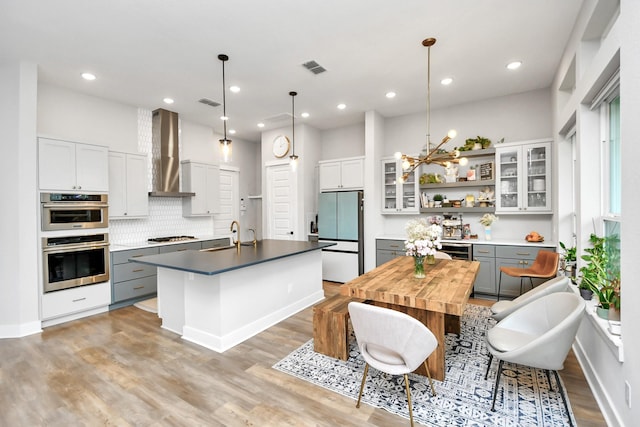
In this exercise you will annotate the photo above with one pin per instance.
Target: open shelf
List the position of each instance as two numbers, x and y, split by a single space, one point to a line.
454 210
477 183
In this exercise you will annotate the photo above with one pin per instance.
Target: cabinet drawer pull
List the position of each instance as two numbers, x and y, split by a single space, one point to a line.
137 256
523 253
180 250
483 252
138 287
79 299
137 270
394 246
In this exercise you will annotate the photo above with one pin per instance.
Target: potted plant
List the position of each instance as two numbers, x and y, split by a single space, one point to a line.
598 275
438 200
569 257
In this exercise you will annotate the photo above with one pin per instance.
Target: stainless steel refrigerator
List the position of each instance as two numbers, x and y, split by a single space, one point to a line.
340 220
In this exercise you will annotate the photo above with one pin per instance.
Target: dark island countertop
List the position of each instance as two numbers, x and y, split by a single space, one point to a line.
220 260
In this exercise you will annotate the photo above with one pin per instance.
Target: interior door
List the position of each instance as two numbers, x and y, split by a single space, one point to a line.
281 203
229 203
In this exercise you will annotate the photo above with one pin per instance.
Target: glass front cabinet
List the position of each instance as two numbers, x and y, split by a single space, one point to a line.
524 178
398 197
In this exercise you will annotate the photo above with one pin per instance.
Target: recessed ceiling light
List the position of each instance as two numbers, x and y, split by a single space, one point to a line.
446 81
88 76
260 125
305 115
514 65
232 131
341 106
390 95
168 101
234 89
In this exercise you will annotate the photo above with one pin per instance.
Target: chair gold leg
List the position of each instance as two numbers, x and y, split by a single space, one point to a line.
426 366
364 377
406 382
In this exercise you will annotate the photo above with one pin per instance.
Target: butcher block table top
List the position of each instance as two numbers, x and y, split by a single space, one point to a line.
445 289
437 300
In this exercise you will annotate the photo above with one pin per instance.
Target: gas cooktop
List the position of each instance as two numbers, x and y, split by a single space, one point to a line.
170 239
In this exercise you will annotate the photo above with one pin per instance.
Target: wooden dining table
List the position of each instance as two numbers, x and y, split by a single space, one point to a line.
438 300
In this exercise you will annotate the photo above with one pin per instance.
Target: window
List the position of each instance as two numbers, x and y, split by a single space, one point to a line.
612 174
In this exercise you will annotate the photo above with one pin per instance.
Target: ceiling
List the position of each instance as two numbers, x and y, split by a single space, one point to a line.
145 50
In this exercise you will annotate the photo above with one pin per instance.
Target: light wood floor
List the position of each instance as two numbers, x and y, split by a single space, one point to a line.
120 368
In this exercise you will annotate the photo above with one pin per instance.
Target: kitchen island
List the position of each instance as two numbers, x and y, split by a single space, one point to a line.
219 298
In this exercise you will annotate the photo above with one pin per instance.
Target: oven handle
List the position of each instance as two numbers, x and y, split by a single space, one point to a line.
73 248
457 245
74 205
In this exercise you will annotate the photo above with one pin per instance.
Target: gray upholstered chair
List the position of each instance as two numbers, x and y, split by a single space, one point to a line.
442 255
391 342
502 309
538 335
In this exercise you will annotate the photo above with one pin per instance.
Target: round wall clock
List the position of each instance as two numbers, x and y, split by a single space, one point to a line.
280 146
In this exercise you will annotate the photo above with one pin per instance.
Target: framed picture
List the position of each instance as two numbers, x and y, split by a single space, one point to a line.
486 171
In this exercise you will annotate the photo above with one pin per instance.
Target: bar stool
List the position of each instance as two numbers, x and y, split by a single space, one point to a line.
545 266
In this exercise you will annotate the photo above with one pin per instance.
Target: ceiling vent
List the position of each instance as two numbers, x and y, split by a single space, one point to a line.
209 102
279 118
314 67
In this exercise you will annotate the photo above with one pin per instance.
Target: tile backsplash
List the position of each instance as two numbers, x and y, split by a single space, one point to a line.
165 219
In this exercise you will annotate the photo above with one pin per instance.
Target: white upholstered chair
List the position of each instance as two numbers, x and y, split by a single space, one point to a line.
502 309
538 335
391 342
442 255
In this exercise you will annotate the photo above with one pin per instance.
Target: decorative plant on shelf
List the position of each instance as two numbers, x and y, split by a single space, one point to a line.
569 256
601 274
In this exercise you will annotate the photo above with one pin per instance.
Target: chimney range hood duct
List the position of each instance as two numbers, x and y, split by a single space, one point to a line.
165 155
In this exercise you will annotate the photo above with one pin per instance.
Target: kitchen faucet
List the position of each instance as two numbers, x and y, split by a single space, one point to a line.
254 241
237 242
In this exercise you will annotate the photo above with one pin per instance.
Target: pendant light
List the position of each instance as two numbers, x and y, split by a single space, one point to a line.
294 159
225 143
435 154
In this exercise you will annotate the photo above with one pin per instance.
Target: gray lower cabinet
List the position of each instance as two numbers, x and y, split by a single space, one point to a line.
130 281
486 280
216 243
516 256
387 249
180 247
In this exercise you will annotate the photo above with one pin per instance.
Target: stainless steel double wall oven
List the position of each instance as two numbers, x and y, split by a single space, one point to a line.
74 258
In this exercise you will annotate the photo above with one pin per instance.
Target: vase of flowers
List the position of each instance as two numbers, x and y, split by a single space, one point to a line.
486 220
423 239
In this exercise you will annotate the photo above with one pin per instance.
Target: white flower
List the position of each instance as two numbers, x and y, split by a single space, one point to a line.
423 239
487 219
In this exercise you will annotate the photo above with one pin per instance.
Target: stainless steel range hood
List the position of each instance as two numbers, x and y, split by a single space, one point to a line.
165 153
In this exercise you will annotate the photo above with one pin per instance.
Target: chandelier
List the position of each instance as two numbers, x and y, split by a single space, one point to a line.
225 143
433 154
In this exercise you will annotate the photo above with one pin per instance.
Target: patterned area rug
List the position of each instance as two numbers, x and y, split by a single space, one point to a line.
463 399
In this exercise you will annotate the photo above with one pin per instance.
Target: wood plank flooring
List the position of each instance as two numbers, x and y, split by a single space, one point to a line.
120 368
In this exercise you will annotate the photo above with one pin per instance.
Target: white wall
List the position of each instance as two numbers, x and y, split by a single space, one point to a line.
76 117
19 247
595 59
346 141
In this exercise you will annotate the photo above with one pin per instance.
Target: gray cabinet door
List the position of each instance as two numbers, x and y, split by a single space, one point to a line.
486 280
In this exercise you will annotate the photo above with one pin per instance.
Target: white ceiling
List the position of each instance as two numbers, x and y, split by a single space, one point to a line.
145 50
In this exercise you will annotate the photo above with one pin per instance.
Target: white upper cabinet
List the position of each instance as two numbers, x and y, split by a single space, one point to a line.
524 178
128 192
70 166
342 174
398 197
204 180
